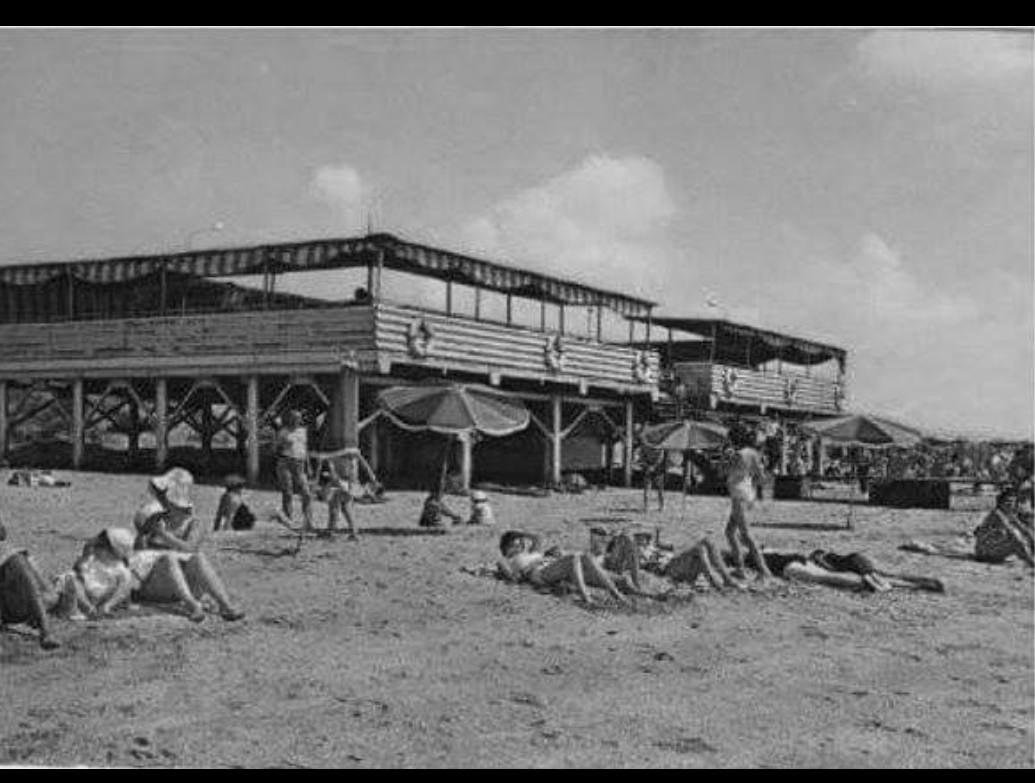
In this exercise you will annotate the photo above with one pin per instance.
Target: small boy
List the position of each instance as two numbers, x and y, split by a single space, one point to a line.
481 511
233 512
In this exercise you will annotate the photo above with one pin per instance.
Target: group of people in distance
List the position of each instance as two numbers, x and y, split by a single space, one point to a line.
159 560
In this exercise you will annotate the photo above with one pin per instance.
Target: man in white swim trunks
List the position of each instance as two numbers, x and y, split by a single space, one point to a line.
744 475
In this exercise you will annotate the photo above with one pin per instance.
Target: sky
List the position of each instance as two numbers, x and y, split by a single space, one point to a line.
870 188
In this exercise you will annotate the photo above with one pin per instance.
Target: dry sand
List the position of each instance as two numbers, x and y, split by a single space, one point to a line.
384 652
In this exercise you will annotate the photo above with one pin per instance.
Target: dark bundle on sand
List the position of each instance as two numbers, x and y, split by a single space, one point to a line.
504 489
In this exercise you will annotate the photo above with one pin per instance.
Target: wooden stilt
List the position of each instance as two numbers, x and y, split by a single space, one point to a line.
252 428
77 423
161 424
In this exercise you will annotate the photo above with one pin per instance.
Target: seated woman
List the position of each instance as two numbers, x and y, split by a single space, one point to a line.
523 561
168 561
1004 532
25 596
688 566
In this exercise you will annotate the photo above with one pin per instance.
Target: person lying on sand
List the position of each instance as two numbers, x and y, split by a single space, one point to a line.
1002 533
625 554
854 571
25 596
523 561
168 560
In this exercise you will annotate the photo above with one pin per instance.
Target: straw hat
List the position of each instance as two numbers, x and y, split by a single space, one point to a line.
119 540
174 486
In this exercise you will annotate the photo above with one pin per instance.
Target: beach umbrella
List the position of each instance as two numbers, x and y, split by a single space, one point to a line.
683 435
863 430
454 410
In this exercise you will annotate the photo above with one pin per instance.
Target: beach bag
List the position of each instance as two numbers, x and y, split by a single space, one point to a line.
244 518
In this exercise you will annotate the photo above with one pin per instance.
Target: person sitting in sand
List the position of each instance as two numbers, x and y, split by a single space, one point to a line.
617 554
523 561
1002 533
481 511
25 595
168 561
233 512
744 476
436 511
101 578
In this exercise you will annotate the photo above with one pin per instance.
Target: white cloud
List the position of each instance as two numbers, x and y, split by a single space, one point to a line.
946 59
602 222
343 189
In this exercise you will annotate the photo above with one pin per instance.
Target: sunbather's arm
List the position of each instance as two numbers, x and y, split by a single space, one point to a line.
505 571
120 595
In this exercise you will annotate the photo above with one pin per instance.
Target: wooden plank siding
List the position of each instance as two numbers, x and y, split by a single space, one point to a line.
316 340
320 338
512 351
705 380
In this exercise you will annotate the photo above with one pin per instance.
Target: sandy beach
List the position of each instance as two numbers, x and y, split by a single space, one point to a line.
393 652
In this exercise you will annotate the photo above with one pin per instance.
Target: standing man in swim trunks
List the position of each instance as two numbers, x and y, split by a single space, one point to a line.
744 475
292 455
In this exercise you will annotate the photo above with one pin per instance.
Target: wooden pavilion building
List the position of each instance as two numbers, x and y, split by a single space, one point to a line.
147 344
732 368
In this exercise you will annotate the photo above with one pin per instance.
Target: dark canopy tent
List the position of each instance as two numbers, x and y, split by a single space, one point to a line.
96 288
739 344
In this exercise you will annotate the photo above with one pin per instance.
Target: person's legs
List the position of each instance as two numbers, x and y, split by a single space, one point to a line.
22 600
732 529
286 484
301 483
597 576
563 569
167 584
755 552
623 556
202 578
716 565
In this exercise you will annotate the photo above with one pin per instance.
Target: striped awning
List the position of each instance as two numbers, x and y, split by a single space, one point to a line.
385 249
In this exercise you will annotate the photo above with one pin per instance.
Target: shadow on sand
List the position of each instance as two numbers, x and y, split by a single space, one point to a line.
798 526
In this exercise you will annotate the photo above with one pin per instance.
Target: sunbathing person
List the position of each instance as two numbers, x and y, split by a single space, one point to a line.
688 566
1002 533
524 561
25 596
168 561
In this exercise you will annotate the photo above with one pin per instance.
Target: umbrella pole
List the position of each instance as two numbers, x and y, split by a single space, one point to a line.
445 465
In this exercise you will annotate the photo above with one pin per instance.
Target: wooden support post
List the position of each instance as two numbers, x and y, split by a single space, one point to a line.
510 304
556 438
161 423
600 310
627 455
252 428
133 436
207 432
348 400
477 304
3 419
77 423
465 460
374 430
